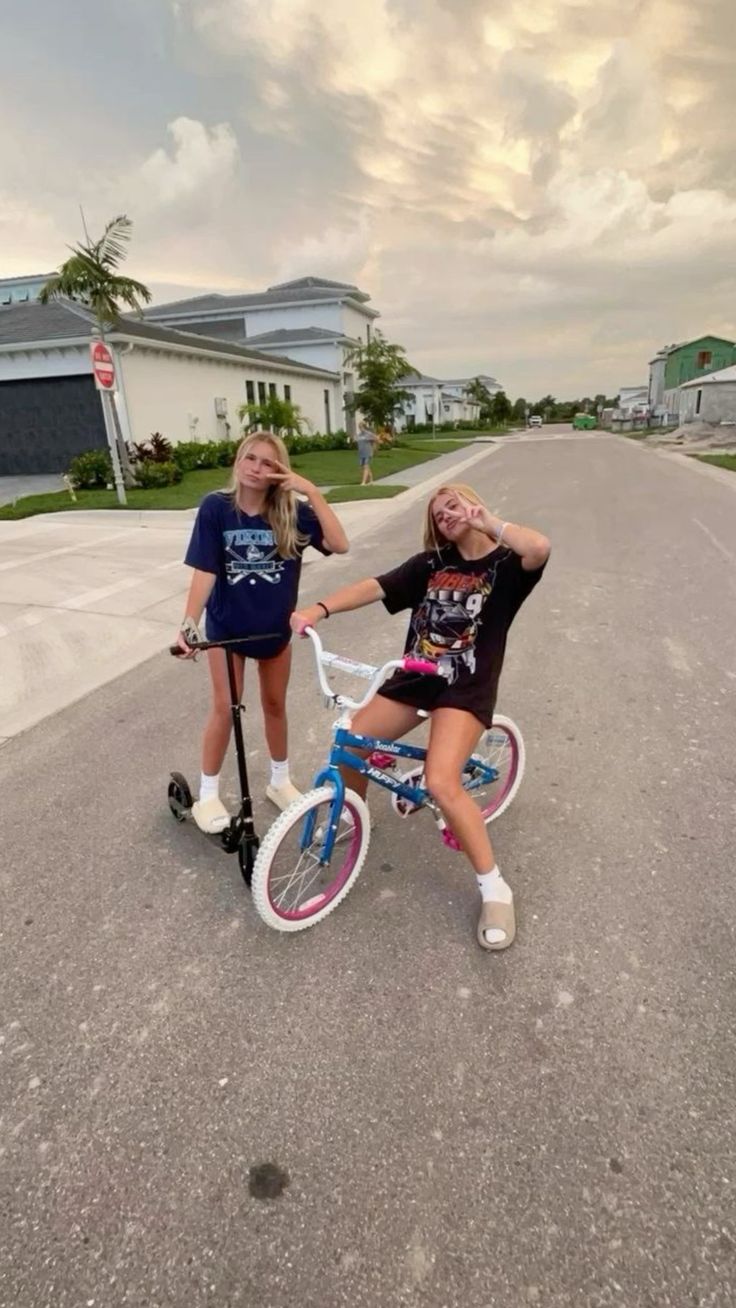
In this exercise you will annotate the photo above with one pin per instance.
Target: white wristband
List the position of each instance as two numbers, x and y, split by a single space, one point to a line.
499 537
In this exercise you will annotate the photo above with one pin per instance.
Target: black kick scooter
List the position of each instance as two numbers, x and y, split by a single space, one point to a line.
239 836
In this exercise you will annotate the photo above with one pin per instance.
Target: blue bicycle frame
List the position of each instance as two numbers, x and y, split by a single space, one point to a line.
478 774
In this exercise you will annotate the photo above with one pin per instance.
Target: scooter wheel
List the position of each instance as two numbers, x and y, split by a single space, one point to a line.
180 796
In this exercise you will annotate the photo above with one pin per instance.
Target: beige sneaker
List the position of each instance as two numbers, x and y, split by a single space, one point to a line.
211 816
283 796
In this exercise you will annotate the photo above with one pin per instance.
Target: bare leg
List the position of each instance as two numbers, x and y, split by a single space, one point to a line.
383 717
454 735
219 722
274 678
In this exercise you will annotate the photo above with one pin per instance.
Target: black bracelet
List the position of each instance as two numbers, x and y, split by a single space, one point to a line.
324 608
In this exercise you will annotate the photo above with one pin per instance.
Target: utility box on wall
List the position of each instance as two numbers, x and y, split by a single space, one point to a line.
221 408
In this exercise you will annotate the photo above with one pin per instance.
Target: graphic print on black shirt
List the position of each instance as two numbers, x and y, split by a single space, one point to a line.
446 624
461 611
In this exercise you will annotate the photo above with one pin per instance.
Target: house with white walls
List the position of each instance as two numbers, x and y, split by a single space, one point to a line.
21 290
433 400
188 387
311 320
710 399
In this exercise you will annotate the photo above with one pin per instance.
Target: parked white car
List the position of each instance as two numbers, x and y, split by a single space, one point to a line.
535 420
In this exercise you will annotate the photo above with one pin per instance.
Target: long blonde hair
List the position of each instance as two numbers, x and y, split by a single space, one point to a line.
433 537
281 505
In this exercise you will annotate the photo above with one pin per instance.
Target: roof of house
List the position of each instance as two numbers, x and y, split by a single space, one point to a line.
304 291
34 324
419 379
711 378
296 336
26 277
30 321
301 282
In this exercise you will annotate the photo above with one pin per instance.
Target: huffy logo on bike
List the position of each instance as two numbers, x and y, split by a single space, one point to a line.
251 554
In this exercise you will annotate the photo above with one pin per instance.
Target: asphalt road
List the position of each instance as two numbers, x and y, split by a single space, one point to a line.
551 1126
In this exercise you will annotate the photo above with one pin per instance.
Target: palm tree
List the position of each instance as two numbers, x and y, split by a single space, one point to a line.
90 277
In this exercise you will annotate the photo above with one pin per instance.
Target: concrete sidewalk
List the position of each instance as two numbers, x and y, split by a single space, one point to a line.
86 596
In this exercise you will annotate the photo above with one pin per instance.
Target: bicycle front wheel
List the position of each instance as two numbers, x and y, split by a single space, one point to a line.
292 886
500 748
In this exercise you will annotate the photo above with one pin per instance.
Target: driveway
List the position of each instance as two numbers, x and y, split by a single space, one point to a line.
14 488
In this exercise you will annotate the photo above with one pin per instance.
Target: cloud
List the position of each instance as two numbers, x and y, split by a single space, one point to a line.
202 159
546 192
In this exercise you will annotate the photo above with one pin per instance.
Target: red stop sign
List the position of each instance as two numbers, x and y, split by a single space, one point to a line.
102 366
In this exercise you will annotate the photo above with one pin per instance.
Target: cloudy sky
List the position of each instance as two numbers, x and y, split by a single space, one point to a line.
544 190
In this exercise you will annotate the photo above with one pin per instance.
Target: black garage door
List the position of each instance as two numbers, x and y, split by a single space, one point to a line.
46 421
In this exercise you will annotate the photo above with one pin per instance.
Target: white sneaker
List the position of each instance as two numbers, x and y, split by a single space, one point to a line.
284 795
210 815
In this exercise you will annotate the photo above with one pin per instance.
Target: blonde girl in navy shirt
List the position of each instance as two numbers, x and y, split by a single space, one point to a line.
246 550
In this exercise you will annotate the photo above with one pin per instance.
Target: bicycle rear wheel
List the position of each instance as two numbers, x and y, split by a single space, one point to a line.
292 887
501 748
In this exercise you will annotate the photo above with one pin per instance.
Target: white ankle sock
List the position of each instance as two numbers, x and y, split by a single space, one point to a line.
209 787
279 772
493 888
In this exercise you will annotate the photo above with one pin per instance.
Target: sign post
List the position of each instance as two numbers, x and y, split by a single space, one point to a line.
103 367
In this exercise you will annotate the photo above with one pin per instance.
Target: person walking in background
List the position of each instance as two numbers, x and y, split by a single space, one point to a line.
366 442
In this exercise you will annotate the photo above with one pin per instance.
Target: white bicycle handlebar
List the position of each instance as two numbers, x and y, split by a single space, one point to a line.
376 676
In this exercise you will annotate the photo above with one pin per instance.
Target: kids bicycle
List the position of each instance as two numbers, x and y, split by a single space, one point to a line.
311 857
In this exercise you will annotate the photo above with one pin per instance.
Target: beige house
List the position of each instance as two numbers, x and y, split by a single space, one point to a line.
187 387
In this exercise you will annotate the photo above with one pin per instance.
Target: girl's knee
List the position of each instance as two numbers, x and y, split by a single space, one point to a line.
273 707
442 785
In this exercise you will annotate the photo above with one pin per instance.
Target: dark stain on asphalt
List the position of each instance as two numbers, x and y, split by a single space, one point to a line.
616 1165
267 1181
387 867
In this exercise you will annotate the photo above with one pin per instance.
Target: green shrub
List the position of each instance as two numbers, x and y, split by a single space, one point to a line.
155 450
150 474
186 455
335 440
91 470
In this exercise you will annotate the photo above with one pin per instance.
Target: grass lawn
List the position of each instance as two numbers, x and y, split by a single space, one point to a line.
338 468
719 460
345 494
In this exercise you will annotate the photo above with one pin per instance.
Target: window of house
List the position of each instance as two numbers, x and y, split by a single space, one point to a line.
250 392
272 388
328 419
261 392
287 392
368 333
704 358
698 398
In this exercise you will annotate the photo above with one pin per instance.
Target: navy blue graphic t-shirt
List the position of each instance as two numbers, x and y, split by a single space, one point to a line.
256 589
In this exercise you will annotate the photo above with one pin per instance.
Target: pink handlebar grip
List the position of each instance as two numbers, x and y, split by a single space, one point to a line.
420 665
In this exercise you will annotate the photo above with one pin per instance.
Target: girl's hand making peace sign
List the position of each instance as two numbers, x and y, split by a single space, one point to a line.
290 480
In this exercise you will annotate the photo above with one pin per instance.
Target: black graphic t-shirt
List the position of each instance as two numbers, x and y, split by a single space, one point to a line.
256 589
461 613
